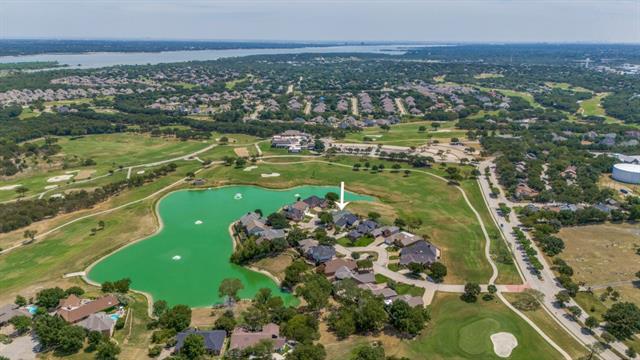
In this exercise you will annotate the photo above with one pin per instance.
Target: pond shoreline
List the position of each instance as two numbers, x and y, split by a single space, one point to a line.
162 226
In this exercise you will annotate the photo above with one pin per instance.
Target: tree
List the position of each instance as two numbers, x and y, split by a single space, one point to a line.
277 220
71 339
416 268
93 339
20 300
622 320
437 271
631 352
229 288
101 224
293 273
255 317
177 318
562 298
122 285
30 235
50 298
75 290
370 314
107 350
594 349
21 323
332 196
307 352
240 162
159 307
575 312
21 190
342 323
225 322
375 216
325 218
193 347
368 352
591 322
302 328
471 292
48 329
315 291
406 319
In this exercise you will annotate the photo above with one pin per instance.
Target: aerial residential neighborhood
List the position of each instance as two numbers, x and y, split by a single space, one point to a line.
319 180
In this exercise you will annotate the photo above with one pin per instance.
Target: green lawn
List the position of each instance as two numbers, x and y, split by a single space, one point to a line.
363 241
74 248
552 329
406 134
108 151
458 330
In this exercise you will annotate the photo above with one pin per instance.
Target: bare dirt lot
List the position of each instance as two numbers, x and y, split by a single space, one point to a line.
601 254
241 151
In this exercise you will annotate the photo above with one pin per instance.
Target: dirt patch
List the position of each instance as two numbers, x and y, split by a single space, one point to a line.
274 265
9 187
241 151
600 254
84 174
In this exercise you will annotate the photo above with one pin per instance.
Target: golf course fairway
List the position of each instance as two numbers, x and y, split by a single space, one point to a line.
185 262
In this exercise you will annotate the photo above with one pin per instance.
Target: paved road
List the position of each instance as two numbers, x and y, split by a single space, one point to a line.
546 283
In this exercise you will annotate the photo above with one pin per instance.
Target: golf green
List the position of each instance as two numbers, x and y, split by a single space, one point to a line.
186 261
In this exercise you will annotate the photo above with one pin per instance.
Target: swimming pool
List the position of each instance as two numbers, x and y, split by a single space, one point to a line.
32 309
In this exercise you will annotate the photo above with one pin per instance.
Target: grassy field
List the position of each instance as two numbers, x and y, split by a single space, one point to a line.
600 254
551 328
593 107
406 134
108 151
446 219
460 330
43 263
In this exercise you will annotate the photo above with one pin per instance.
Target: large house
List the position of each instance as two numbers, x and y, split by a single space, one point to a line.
213 340
321 253
100 322
421 252
72 309
402 239
242 339
292 140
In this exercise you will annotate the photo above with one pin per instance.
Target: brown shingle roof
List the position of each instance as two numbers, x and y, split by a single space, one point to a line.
79 313
241 339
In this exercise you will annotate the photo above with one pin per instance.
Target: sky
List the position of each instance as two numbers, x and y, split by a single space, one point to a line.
326 20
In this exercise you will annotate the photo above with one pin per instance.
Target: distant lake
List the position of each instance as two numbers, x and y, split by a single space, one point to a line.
102 59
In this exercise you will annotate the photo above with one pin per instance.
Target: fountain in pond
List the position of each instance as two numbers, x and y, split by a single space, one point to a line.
198 222
237 196
176 258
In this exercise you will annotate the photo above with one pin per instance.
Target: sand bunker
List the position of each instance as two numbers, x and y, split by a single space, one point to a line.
57 196
140 172
198 222
503 344
249 168
49 187
10 187
270 175
59 178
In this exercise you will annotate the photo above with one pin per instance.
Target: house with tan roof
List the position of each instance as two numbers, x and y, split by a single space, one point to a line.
242 339
73 312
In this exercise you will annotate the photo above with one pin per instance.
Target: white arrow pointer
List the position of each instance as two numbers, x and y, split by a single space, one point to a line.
342 204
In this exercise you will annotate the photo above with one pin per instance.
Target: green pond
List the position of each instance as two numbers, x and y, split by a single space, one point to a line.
186 261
